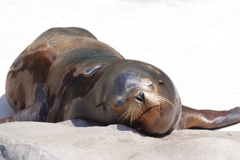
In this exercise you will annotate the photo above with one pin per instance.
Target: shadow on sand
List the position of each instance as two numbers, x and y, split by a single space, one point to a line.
5 109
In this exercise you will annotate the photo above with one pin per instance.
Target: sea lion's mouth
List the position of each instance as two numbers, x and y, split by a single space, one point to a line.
137 125
150 108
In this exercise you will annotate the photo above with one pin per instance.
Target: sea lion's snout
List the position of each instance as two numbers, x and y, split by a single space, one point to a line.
140 97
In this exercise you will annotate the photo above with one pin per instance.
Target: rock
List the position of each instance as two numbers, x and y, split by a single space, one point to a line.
17 151
79 139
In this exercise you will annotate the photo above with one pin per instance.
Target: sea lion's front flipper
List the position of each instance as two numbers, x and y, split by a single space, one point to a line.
35 112
209 119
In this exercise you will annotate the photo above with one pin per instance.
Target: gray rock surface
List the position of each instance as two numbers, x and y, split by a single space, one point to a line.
78 139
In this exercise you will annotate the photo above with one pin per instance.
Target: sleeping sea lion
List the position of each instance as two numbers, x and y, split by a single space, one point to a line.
66 73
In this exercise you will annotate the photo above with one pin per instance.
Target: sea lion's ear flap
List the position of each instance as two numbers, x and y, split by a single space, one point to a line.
160 81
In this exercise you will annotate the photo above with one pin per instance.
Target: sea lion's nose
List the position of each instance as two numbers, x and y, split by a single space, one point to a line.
140 97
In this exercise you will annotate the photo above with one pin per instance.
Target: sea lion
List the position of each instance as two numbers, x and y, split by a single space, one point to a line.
66 73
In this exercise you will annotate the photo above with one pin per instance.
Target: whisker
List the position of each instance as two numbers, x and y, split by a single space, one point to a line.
162 99
123 117
133 112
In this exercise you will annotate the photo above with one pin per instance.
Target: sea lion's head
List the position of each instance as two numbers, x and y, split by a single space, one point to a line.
144 96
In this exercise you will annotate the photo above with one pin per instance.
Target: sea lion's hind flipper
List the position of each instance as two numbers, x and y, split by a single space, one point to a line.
209 119
36 112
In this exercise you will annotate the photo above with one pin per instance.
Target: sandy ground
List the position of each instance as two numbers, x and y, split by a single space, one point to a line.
197 42
65 141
